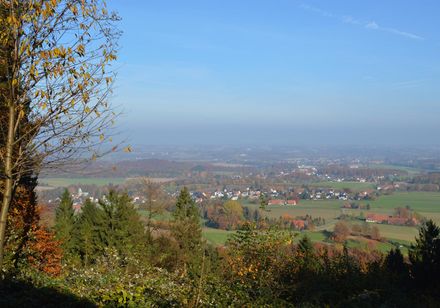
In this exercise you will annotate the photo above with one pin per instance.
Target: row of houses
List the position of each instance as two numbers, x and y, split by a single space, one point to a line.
232 194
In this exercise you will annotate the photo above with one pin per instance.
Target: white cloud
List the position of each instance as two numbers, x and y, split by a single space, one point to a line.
402 33
370 25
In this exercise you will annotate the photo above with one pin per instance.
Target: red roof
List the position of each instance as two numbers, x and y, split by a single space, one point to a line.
377 217
276 202
291 202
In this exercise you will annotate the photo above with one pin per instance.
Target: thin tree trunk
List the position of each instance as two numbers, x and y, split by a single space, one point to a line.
9 147
7 193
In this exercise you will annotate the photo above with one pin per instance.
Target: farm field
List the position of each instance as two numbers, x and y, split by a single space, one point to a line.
355 241
425 203
219 237
381 246
398 232
164 216
216 237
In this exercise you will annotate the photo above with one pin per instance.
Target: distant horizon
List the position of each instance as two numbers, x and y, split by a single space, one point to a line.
134 146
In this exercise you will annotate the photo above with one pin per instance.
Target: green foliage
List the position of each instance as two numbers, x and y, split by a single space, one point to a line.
263 202
113 223
88 230
121 225
65 223
425 257
187 232
305 245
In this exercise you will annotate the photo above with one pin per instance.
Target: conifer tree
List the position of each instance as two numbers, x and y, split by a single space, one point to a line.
123 228
65 222
394 261
88 232
187 231
305 245
263 202
425 257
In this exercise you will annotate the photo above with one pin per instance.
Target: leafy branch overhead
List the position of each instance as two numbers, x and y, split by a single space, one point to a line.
61 63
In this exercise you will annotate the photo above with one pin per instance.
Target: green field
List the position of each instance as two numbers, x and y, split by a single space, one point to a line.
425 203
355 242
381 246
428 202
164 216
327 209
216 237
315 236
219 237
402 233
64 182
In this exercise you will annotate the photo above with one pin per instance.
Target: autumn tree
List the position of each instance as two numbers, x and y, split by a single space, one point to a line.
26 241
24 212
375 233
233 212
45 252
54 93
65 222
341 231
187 231
256 260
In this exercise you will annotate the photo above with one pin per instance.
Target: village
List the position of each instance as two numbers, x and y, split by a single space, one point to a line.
271 198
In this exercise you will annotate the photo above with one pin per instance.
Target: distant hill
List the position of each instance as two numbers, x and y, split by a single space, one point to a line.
146 167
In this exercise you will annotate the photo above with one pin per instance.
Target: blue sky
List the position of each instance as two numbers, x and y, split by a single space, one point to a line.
279 72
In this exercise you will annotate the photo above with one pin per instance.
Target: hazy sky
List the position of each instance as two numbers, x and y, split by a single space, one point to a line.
279 71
